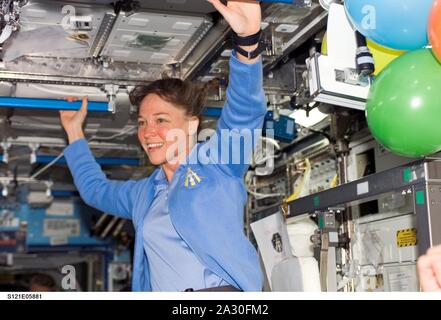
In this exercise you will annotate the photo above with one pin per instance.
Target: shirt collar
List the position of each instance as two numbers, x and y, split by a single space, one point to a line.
161 179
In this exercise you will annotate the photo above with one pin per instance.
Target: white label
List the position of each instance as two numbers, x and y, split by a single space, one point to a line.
362 188
61 228
400 280
8 219
333 237
272 238
58 241
140 22
60 208
183 26
287 28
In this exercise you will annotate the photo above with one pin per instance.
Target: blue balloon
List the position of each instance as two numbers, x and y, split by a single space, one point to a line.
397 24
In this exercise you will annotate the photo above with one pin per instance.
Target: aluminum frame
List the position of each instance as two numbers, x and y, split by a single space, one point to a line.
422 178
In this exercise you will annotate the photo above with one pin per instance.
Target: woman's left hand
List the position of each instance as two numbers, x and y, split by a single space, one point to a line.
244 16
429 270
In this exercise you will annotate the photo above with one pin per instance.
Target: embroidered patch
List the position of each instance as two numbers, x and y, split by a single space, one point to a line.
191 179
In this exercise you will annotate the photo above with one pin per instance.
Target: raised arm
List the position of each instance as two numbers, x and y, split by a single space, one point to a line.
244 17
245 108
96 190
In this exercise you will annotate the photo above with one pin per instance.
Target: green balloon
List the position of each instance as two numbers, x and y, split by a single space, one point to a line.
404 106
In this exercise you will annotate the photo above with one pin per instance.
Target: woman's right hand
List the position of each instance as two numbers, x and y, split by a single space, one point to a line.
72 121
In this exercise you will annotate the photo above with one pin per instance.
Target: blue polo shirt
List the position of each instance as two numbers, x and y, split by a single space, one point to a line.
173 265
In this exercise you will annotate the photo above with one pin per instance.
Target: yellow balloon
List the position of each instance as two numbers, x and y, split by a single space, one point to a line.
382 55
324 48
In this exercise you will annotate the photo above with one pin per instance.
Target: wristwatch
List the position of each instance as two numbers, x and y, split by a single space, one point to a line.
253 39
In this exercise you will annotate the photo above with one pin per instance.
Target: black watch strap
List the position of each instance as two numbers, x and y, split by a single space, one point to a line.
246 41
253 54
249 41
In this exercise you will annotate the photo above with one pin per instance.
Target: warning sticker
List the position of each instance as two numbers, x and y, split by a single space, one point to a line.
407 238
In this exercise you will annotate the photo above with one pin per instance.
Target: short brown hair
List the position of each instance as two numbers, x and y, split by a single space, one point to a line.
43 280
185 95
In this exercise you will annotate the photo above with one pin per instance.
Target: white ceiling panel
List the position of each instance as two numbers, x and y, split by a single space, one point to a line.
150 37
62 23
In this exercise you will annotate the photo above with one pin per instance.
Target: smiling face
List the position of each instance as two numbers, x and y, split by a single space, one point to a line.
158 123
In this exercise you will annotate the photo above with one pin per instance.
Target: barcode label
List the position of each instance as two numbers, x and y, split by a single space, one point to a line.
61 228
